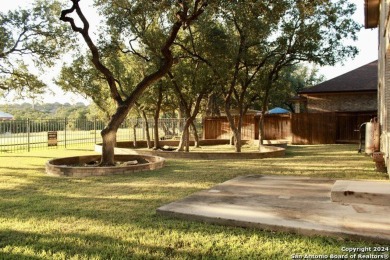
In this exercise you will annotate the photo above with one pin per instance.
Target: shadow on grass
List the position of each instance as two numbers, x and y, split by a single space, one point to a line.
113 217
163 238
84 246
19 169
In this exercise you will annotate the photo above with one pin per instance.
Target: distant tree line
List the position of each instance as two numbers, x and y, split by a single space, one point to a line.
48 111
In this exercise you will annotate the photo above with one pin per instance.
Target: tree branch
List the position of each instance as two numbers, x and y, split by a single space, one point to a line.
84 31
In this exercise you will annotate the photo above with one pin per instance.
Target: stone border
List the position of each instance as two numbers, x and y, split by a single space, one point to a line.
269 151
59 167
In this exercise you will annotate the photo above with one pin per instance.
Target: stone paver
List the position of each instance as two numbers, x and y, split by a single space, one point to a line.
284 203
364 192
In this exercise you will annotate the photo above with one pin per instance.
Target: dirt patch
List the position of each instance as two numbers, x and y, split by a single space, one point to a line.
95 163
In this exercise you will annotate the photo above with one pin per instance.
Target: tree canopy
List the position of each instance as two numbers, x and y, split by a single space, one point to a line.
244 53
30 37
153 26
258 40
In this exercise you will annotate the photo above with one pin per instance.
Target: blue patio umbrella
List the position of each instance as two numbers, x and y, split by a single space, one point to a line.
278 110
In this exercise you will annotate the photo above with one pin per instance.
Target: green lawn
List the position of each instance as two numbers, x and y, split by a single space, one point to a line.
114 217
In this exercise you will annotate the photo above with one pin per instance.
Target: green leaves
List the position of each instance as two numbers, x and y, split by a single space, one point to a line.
32 34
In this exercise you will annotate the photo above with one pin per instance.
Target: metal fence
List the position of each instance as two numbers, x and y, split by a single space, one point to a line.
24 135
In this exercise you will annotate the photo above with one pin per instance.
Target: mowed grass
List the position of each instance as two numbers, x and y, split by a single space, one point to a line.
114 217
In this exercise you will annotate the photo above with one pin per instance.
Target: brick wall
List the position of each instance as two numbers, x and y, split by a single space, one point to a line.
342 102
384 81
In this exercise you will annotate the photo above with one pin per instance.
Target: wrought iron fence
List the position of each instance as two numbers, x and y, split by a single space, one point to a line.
24 135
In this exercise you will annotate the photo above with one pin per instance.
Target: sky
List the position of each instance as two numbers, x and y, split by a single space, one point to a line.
367 45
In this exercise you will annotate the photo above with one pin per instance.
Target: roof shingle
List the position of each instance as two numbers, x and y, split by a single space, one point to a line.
362 79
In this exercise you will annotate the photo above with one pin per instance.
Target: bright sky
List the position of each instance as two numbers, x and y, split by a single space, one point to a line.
367 44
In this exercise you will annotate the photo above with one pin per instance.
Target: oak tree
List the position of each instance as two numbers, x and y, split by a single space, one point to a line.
134 25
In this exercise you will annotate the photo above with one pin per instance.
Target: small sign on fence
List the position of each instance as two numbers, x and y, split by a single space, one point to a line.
52 138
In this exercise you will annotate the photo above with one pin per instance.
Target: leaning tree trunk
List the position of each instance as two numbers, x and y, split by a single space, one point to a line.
236 129
196 136
185 138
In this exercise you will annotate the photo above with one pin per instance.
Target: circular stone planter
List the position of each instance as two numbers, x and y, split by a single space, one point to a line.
68 166
269 151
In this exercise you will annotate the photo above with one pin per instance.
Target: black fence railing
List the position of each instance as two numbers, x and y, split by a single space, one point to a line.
24 135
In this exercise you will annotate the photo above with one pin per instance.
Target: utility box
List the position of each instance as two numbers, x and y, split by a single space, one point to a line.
372 137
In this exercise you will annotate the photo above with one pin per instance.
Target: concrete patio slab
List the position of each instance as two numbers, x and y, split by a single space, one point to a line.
284 203
364 192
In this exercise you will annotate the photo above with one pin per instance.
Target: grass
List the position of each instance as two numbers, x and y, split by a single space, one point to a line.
114 217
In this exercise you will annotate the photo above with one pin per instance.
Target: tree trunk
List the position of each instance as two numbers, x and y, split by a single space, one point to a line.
109 142
261 122
184 136
156 117
156 141
187 142
124 106
261 131
109 135
135 134
237 140
236 129
146 127
196 136
231 139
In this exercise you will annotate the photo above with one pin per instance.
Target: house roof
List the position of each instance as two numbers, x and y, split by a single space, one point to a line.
4 115
362 79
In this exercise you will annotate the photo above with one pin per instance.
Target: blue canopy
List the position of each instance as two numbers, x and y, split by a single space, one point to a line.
278 110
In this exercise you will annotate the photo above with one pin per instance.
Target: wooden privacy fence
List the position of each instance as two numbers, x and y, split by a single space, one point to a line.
219 128
276 127
304 128
313 128
327 128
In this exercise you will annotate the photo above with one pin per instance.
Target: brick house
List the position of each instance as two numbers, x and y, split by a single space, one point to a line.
377 15
328 113
354 91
